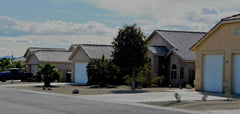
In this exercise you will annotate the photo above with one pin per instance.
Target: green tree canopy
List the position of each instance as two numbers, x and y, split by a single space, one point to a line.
130 49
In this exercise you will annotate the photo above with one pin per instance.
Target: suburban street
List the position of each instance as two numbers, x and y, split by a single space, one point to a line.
13 101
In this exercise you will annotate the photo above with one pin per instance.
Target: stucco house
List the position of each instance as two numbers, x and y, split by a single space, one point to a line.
171 57
82 56
56 56
218 57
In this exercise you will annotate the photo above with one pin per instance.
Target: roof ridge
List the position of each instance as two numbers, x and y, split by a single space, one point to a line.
181 31
226 18
54 50
95 44
43 48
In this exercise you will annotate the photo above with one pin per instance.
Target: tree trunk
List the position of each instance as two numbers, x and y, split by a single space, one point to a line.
133 79
47 82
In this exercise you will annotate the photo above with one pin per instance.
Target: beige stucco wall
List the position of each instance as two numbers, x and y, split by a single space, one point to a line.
174 59
79 56
221 41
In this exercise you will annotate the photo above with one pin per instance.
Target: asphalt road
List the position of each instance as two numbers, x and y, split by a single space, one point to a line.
14 101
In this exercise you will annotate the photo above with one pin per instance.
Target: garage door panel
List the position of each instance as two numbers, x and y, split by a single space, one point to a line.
212 72
236 73
80 73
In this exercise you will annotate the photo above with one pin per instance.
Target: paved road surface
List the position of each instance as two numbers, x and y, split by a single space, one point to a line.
13 101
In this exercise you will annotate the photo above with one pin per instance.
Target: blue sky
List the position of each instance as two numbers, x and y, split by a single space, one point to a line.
60 23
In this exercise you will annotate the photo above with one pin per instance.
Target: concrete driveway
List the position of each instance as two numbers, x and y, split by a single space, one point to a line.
136 99
148 97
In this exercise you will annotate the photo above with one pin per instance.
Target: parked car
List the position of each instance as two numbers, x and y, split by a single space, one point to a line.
15 74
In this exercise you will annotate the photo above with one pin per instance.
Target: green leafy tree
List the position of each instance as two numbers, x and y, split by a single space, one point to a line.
101 71
19 65
48 74
4 63
130 50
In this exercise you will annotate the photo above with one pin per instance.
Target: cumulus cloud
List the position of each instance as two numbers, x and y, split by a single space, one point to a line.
196 15
10 27
17 36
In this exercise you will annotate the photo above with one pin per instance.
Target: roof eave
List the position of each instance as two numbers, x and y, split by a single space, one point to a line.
193 48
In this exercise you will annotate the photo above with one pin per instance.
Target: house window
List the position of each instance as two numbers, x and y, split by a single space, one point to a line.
182 73
174 72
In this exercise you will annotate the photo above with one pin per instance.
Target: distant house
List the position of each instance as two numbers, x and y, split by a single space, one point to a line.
82 56
171 57
56 56
218 57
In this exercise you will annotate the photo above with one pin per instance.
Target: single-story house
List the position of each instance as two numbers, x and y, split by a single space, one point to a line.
82 56
171 57
218 57
55 56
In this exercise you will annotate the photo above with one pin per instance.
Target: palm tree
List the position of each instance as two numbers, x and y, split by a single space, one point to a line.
48 74
4 62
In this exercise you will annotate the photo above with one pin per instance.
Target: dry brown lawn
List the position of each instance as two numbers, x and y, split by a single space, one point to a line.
91 90
200 105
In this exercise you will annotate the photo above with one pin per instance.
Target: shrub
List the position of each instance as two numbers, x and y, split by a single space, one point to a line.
158 80
101 72
145 77
229 96
128 80
188 86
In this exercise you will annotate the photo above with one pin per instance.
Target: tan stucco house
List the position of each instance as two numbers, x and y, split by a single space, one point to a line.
56 56
82 56
171 57
218 57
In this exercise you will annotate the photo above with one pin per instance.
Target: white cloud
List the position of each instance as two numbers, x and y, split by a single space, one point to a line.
17 36
196 15
11 27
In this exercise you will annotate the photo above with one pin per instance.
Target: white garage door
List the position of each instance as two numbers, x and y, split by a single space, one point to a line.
236 73
80 73
212 72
